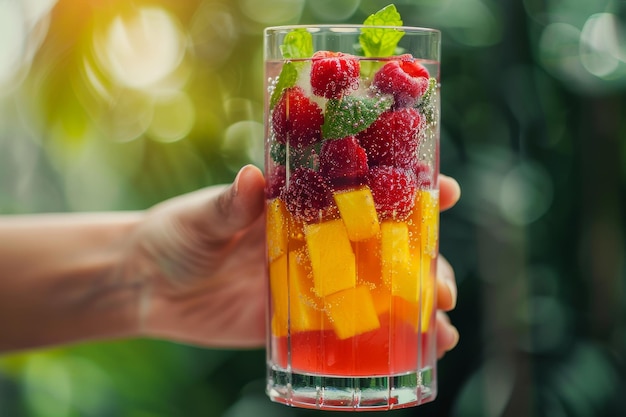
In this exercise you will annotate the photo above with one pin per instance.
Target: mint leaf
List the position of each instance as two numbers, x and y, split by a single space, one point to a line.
381 42
426 105
349 115
297 44
287 78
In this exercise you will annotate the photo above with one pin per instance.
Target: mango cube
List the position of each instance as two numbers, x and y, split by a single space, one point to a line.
358 213
424 221
293 302
276 228
331 256
351 312
397 266
428 299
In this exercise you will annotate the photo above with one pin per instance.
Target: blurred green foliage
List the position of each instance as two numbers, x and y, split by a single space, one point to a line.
110 105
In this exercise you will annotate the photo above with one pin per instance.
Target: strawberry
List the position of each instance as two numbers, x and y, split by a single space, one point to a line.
276 178
393 190
332 73
307 194
343 162
405 79
393 138
297 120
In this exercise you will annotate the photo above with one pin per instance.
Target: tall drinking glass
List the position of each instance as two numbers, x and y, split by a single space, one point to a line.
352 211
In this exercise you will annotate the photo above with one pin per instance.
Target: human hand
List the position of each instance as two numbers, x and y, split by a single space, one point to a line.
200 261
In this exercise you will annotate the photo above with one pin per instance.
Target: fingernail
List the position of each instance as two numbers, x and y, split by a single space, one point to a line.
452 291
235 186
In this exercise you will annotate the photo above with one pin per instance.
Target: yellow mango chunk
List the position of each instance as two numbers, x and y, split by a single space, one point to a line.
358 213
331 255
397 267
428 296
417 312
276 228
351 312
305 309
424 221
279 285
293 301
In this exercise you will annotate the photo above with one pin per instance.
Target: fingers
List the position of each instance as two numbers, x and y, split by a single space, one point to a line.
449 192
446 285
238 205
447 334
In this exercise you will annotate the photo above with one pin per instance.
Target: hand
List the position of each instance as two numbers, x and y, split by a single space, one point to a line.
200 261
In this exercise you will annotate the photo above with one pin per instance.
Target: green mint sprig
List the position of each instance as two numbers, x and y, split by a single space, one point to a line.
297 44
381 42
426 104
349 115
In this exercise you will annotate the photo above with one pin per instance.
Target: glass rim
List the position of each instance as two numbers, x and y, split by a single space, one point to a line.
343 28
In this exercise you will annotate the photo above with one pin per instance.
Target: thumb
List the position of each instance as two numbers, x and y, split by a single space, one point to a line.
237 205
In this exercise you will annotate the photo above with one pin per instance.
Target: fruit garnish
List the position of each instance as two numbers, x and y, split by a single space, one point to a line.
404 79
377 41
393 190
343 162
393 138
349 115
307 194
333 73
296 119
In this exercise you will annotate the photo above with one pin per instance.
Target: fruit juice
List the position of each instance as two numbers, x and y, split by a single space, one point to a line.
352 228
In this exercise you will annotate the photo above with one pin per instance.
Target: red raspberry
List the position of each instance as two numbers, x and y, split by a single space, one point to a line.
307 194
332 73
296 119
393 190
405 79
423 174
343 162
276 178
393 138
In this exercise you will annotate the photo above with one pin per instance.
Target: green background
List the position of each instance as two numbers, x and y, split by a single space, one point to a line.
533 128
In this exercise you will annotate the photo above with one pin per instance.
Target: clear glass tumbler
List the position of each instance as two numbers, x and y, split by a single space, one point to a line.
352 211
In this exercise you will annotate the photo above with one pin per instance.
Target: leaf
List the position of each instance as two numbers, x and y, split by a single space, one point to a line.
297 44
426 104
287 78
381 42
349 115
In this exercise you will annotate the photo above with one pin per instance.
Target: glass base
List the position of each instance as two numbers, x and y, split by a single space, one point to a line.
338 393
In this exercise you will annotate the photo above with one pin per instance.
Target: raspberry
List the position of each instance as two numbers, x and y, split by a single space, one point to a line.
393 190
332 73
343 162
405 79
393 138
307 194
275 183
423 175
296 120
